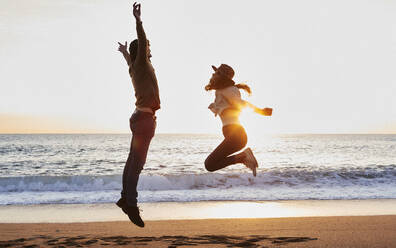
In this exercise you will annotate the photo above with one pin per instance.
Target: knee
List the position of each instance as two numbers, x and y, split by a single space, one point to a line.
208 165
243 142
137 166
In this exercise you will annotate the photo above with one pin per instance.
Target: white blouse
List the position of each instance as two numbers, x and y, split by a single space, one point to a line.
229 97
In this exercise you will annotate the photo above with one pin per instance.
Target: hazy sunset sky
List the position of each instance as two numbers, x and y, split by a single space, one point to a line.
324 66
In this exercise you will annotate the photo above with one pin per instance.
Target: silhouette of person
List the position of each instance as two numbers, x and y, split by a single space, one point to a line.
143 120
228 105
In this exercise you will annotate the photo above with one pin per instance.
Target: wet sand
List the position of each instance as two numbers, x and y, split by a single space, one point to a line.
340 231
102 212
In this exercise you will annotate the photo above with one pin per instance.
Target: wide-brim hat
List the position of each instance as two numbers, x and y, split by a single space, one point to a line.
224 70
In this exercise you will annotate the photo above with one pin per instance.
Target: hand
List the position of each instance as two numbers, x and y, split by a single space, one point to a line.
122 48
212 108
267 111
264 111
136 11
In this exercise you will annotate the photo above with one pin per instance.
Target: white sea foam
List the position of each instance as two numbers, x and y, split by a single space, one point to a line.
268 185
269 178
230 194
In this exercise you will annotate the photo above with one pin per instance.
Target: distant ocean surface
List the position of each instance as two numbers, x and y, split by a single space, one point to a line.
87 168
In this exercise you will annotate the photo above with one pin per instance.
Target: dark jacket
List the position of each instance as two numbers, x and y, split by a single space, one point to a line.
143 75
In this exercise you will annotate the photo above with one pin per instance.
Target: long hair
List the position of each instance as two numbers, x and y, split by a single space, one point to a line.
221 82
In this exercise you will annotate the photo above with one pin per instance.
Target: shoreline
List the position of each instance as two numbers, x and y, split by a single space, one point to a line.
104 212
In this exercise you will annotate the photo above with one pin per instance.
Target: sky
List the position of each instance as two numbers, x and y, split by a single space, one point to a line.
323 66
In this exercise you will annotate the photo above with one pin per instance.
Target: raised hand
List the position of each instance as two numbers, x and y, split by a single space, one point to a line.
122 48
136 11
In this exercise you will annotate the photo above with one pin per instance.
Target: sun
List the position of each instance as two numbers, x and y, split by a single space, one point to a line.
255 124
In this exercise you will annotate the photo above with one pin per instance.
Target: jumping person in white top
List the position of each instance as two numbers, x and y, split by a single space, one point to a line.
228 105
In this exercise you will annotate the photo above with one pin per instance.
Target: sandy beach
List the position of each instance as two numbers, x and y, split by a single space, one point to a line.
320 223
352 231
331 223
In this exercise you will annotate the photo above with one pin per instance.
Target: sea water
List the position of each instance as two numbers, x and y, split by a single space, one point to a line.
87 168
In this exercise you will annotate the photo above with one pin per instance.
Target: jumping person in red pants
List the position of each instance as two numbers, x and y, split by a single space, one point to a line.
143 120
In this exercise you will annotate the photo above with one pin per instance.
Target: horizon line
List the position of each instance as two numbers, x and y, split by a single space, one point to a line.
190 133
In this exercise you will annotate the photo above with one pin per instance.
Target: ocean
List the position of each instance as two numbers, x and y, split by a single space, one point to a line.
87 168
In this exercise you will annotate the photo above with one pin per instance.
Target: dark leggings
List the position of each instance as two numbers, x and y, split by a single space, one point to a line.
235 139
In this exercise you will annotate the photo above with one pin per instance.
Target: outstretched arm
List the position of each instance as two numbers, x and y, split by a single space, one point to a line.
261 111
243 103
142 47
234 97
254 107
123 49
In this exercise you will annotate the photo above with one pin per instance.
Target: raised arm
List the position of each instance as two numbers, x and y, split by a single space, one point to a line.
123 49
142 47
